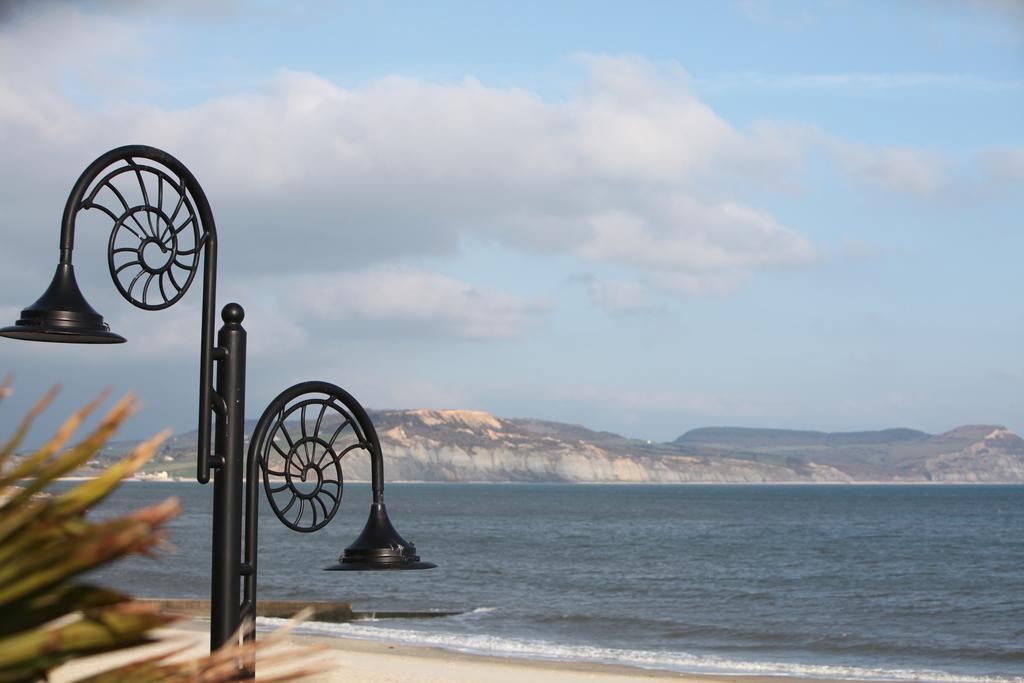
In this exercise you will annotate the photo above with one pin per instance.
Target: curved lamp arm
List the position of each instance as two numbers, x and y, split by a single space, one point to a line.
156 239
317 403
298 445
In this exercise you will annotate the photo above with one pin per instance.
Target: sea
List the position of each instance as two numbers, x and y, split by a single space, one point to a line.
887 583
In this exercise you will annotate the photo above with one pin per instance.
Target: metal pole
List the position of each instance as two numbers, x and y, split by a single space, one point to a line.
63 315
227 485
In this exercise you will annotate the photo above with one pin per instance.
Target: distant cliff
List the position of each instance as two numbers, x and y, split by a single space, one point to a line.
974 453
473 446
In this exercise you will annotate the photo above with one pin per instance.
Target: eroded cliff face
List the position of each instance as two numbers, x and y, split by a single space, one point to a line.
419 459
454 445
998 457
475 446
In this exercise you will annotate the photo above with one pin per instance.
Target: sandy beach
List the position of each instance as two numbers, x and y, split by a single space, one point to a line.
365 661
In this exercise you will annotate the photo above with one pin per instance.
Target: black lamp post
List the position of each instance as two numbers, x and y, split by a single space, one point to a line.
302 477
161 223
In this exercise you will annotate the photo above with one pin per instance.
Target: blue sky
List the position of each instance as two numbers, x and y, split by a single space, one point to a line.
642 217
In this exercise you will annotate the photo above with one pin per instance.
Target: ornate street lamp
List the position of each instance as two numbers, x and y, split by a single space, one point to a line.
298 446
161 224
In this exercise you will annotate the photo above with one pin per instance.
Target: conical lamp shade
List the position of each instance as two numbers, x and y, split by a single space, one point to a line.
379 547
62 315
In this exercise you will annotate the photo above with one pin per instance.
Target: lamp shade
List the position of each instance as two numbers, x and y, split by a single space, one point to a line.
62 315
379 546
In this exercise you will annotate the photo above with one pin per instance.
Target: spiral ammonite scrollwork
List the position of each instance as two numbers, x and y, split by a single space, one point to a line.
154 246
301 460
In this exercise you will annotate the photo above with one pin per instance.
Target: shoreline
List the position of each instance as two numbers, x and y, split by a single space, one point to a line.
525 668
358 660
320 630
714 670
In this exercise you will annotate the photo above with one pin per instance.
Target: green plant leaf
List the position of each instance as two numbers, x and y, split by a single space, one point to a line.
45 606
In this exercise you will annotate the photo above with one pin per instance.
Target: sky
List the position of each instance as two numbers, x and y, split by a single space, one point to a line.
642 217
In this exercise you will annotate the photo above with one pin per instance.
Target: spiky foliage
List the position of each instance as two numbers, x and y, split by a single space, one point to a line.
49 617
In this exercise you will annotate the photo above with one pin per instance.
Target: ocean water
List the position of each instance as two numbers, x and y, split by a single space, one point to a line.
866 582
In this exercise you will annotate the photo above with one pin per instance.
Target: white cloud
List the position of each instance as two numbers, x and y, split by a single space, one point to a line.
170 332
290 312
429 301
924 174
175 331
32 89
415 299
632 170
908 170
695 238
